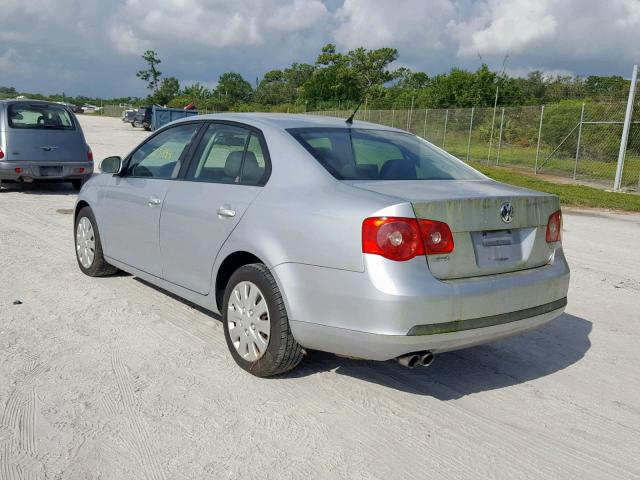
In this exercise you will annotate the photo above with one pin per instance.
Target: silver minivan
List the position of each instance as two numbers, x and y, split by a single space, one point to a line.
42 141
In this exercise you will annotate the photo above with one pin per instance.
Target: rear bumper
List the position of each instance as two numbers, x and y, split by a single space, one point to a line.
395 308
32 170
385 347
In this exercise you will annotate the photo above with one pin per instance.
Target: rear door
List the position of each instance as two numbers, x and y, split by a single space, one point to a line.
131 204
41 132
226 173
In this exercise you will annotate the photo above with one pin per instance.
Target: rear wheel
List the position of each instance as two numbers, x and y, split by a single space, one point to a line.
256 325
88 246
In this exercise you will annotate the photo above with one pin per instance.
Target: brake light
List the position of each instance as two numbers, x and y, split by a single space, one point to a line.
400 239
1 154
89 154
554 227
437 237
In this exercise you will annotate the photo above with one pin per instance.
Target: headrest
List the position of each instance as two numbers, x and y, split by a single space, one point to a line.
232 164
399 169
251 172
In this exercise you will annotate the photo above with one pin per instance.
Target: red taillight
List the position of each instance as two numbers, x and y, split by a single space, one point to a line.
399 238
437 237
395 238
89 154
554 227
1 154
18 170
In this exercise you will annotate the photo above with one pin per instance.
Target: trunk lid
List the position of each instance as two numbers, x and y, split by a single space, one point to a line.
485 244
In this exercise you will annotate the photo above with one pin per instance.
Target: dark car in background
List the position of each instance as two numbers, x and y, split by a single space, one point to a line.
143 118
42 141
128 116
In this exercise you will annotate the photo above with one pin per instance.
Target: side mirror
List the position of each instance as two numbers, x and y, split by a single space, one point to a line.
111 165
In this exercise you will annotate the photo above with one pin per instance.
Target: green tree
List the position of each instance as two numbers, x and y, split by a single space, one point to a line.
233 88
168 90
151 74
341 78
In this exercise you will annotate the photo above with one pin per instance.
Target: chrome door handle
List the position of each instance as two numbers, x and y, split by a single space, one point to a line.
153 201
226 211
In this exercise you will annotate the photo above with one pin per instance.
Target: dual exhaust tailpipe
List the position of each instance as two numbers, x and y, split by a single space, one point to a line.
416 359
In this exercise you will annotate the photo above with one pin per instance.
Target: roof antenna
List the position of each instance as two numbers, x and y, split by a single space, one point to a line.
364 95
350 119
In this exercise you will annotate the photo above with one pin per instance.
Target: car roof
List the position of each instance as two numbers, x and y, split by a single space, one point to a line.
29 100
288 120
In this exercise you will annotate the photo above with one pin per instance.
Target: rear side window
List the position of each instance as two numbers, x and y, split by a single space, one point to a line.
39 116
228 154
365 154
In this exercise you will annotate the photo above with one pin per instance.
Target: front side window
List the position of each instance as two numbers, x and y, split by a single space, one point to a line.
228 154
160 157
39 116
364 154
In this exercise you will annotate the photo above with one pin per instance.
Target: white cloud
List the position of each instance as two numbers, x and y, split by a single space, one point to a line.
210 23
301 14
512 26
412 24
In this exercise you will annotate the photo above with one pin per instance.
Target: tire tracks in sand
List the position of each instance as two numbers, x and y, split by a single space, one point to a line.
140 440
18 441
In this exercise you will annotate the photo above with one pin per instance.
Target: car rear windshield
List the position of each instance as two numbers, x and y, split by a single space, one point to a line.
366 154
39 116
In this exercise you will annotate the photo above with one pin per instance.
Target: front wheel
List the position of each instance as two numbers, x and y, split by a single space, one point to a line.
89 247
256 325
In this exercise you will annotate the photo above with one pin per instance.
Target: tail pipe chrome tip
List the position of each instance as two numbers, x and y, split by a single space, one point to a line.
416 359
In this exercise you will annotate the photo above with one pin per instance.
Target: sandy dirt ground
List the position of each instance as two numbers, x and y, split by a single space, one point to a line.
112 379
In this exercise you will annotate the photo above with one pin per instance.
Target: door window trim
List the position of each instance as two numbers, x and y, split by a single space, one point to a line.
182 175
184 156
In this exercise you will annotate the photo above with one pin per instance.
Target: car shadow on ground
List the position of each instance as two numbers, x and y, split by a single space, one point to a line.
512 361
516 360
39 188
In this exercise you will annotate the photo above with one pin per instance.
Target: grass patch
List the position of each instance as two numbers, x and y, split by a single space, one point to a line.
570 195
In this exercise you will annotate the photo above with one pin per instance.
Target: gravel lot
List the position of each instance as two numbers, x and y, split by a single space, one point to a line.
113 379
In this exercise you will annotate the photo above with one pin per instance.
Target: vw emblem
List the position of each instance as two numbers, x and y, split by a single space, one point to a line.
506 212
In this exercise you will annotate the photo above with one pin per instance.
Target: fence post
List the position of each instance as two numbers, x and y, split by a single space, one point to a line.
446 120
625 130
424 132
535 165
410 116
380 116
470 127
500 136
493 121
393 117
575 166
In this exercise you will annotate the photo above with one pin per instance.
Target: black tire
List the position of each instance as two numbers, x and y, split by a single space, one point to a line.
99 267
283 352
77 184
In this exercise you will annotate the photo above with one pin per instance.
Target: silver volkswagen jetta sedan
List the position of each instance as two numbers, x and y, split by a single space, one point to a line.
307 232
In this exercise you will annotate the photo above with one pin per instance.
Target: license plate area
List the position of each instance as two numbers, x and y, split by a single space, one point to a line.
502 247
50 171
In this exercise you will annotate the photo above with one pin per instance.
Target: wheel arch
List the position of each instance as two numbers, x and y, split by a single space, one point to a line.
79 206
230 264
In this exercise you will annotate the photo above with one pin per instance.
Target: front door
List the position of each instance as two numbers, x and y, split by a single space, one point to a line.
131 207
226 173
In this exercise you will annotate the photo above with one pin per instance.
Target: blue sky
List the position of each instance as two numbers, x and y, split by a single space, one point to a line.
93 47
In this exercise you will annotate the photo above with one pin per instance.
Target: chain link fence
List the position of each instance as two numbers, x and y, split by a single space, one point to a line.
577 142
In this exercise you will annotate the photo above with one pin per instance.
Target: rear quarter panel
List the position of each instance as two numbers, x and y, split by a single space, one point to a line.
303 215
